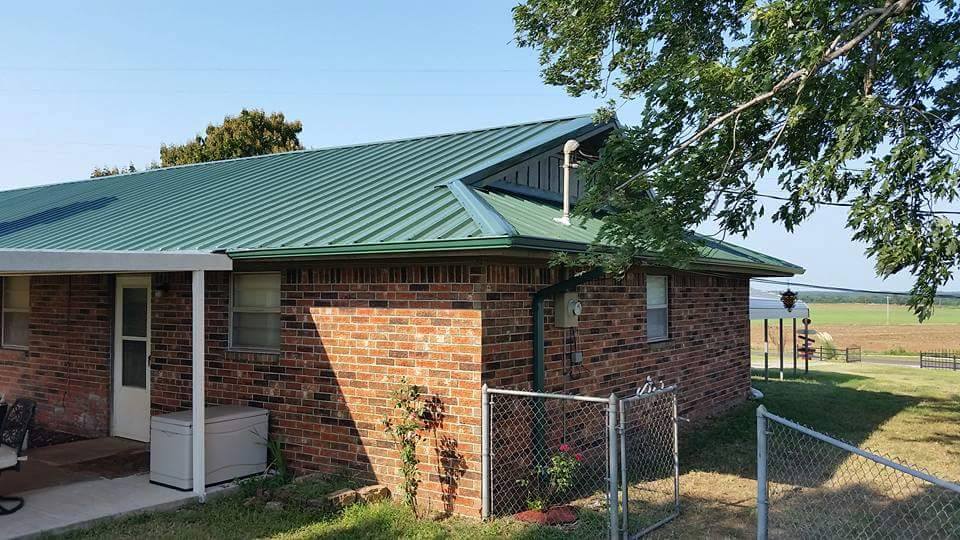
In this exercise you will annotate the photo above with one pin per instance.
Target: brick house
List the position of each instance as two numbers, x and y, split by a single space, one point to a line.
323 276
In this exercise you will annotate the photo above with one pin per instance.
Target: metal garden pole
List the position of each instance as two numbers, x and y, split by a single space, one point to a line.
485 451
614 468
806 346
780 347
761 473
794 346
766 352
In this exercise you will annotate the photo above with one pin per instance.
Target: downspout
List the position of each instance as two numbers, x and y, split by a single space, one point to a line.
539 410
569 284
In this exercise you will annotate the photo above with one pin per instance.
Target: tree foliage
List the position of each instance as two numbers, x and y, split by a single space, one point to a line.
251 133
99 172
840 101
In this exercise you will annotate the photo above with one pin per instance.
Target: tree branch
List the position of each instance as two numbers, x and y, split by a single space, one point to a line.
836 50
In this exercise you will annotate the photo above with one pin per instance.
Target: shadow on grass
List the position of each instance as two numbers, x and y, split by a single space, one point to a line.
865 508
727 444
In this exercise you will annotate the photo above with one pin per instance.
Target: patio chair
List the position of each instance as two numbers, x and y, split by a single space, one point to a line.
12 434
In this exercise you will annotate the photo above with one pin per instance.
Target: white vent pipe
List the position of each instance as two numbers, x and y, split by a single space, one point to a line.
569 148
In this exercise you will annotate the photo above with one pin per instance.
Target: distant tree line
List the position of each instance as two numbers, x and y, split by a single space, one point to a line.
840 297
251 133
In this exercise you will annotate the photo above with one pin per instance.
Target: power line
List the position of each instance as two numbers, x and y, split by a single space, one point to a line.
844 289
239 69
840 204
74 143
248 93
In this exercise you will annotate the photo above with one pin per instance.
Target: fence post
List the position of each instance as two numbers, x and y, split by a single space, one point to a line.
485 451
614 467
624 493
761 473
676 456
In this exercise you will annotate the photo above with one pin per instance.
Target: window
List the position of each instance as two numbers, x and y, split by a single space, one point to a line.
16 312
255 311
657 313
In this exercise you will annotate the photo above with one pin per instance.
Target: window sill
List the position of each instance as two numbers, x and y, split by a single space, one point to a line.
658 340
14 348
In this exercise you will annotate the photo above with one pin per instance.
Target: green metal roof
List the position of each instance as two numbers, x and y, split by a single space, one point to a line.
408 195
534 219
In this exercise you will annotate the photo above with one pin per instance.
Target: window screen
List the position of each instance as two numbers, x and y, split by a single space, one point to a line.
657 311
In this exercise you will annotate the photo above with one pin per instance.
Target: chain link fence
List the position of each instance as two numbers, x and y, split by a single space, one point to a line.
609 464
811 485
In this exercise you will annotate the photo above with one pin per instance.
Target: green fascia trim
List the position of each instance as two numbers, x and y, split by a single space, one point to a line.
499 242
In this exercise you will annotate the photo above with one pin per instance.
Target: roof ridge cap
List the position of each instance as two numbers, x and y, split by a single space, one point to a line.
301 151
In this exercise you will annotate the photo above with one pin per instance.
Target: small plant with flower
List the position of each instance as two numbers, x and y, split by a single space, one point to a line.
549 481
405 426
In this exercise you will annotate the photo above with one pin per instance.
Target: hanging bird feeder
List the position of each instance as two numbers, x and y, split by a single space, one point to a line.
789 299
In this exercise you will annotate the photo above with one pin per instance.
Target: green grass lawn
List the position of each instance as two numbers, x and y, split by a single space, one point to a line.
876 314
908 413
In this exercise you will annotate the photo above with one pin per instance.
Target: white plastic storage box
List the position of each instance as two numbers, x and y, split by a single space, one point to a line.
236 445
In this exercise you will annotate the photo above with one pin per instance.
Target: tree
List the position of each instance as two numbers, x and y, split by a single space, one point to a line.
842 102
99 172
251 133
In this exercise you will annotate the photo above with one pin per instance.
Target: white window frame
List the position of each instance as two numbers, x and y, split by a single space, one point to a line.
233 310
665 307
3 314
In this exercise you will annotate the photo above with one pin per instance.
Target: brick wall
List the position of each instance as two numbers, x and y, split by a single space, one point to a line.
349 333
707 354
67 367
348 336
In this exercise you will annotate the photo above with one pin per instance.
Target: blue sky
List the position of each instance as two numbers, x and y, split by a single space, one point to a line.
104 83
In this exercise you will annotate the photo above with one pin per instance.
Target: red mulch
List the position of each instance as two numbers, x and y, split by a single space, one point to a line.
558 515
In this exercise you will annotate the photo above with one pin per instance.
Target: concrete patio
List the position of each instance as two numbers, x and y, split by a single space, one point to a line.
62 507
74 484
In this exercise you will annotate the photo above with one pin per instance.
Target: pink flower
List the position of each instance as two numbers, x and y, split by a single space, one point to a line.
564 447
578 456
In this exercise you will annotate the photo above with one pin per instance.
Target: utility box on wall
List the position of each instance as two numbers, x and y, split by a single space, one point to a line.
567 310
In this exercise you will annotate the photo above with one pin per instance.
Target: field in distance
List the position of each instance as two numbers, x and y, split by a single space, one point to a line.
866 325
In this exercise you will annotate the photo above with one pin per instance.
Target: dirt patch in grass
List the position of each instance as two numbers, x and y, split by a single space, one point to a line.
909 339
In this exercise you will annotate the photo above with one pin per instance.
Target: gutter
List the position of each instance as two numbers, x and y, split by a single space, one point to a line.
569 284
487 242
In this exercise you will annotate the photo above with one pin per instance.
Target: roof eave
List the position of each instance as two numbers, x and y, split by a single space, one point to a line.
484 243
53 261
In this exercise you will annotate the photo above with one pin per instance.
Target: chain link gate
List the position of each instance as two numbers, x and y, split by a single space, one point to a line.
545 450
613 460
649 460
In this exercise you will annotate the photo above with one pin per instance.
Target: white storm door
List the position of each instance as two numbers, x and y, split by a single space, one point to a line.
131 366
